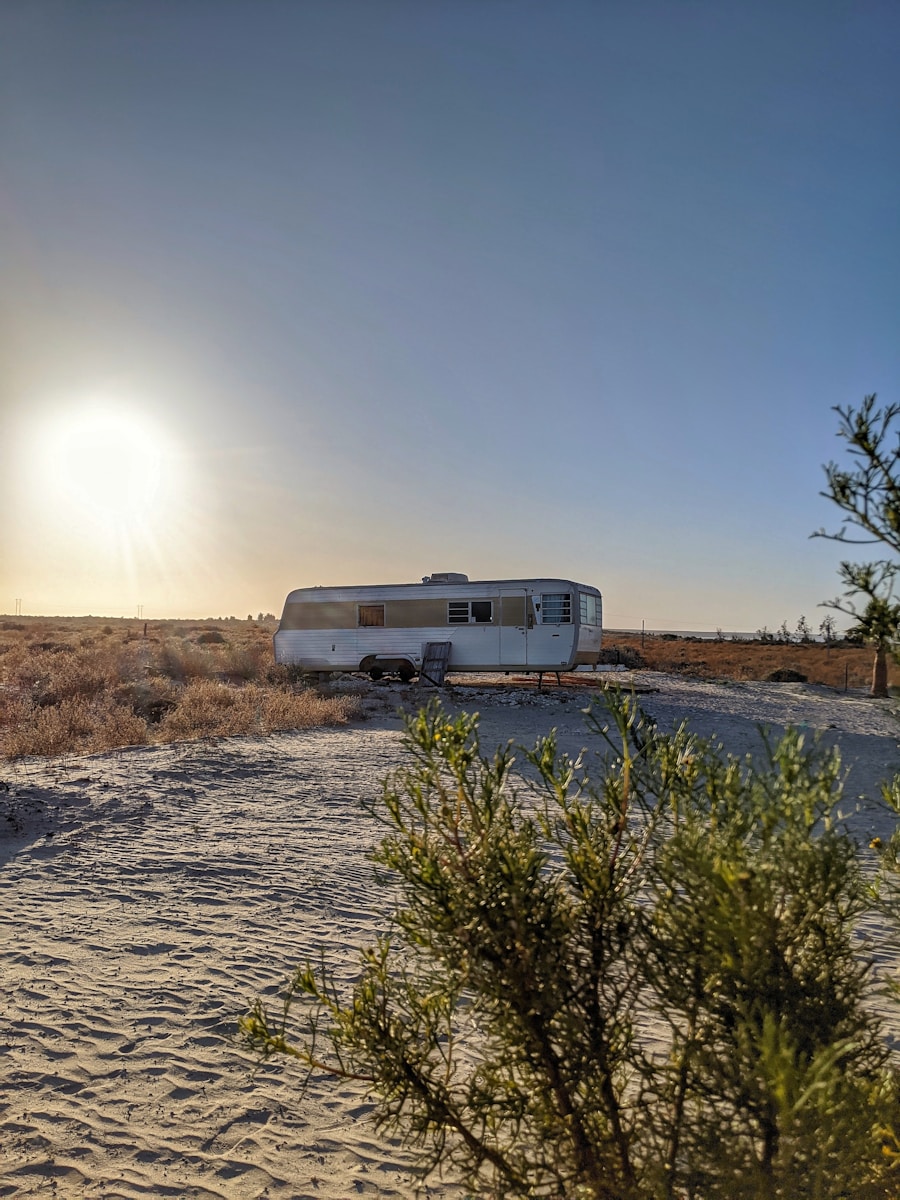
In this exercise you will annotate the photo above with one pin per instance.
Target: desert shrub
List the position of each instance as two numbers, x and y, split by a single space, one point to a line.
88 672
786 675
204 709
300 710
289 675
182 661
540 922
92 693
118 725
22 668
249 662
73 726
691 666
625 656
149 697
138 711
211 709
211 637
48 676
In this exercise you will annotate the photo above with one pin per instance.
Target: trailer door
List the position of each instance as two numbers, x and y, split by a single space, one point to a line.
514 606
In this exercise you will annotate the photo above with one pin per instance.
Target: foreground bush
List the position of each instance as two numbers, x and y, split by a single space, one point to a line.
543 928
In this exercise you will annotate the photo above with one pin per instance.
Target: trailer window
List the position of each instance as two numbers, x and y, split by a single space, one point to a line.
588 607
470 612
556 608
371 615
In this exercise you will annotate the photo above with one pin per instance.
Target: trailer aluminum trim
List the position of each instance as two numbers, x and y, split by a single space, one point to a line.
541 624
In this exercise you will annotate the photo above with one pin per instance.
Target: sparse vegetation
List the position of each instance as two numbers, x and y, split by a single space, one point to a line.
539 928
836 663
70 685
85 685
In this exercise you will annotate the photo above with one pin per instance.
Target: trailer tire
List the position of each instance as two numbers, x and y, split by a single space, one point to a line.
406 674
375 673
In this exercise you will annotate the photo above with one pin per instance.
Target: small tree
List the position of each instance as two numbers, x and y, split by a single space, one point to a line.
868 495
827 629
538 926
803 632
877 621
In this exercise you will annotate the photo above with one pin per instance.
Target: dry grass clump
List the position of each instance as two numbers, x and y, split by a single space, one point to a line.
150 696
249 661
182 660
72 725
87 685
209 709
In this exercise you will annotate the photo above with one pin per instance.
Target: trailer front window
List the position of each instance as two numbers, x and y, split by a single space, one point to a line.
556 608
588 607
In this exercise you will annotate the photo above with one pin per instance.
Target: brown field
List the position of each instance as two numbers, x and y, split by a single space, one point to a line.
85 684
839 665
79 685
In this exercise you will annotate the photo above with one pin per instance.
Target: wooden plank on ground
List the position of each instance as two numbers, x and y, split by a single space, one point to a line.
434 663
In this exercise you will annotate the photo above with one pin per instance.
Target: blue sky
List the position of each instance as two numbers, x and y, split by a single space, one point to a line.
353 292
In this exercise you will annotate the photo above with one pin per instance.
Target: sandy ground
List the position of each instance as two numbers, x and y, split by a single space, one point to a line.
150 894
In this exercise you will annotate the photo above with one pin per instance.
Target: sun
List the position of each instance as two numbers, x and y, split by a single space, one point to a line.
111 465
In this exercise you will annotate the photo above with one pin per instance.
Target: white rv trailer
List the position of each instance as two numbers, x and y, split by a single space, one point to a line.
490 625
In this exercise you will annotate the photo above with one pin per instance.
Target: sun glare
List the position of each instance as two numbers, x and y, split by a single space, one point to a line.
111 466
105 508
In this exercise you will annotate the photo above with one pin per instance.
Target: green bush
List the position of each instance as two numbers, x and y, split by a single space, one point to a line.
545 924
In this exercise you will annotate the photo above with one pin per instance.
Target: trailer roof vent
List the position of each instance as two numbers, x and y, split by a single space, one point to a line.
445 577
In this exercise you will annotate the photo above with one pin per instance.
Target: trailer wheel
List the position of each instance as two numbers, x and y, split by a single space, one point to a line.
375 673
406 674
